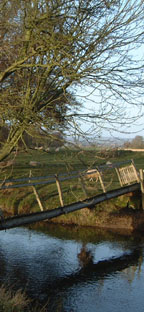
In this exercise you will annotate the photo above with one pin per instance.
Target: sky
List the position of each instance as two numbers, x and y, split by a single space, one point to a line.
127 131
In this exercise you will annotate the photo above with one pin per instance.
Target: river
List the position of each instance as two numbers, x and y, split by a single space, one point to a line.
75 269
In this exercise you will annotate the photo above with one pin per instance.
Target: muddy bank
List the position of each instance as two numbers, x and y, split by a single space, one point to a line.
122 213
125 219
128 219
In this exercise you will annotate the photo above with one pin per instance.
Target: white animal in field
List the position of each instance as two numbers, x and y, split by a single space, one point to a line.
57 149
34 163
92 175
109 163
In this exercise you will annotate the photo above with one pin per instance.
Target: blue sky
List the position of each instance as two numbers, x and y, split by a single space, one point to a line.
130 118
129 129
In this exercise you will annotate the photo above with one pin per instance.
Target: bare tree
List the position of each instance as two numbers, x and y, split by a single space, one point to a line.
49 48
137 142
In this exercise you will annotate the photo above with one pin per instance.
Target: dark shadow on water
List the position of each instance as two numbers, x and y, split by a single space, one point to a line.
93 272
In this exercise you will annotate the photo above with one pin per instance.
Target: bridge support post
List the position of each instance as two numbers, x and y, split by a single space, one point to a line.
59 190
36 195
101 182
142 186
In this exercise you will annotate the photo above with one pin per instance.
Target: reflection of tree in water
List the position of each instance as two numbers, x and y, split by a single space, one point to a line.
128 269
129 273
85 257
135 270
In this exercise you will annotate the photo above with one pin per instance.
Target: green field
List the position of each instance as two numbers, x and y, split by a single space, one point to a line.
23 200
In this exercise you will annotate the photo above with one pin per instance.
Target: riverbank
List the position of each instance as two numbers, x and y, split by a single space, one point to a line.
123 213
17 301
13 301
124 219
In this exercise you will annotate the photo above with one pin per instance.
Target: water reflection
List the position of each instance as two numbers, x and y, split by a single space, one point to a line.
85 256
74 269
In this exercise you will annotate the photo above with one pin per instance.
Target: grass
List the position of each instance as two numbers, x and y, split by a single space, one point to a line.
17 301
11 301
23 200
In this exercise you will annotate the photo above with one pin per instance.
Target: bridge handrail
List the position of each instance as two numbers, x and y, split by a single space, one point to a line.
36 178
115 165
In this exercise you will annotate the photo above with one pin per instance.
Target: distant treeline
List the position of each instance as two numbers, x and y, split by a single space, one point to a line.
136 142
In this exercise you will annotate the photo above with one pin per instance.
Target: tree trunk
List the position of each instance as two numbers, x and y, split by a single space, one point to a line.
11 142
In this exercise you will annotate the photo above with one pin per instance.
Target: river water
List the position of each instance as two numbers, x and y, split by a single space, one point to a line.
75 269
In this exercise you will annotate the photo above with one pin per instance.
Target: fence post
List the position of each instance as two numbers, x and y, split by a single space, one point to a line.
136 173
101 182
142 186
120 181
36 195
59 190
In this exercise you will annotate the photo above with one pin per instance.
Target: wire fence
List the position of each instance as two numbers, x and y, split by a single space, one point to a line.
85 183
50 179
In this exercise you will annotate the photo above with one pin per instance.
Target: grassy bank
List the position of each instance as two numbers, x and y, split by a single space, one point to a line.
11 301
17 301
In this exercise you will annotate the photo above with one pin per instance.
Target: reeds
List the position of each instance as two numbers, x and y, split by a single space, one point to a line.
11 301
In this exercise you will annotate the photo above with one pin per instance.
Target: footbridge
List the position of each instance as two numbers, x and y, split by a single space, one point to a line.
129 178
